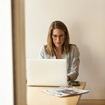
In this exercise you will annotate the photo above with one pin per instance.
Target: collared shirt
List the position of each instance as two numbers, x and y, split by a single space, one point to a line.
72 57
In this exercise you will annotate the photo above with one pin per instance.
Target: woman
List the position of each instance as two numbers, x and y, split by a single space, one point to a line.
58 47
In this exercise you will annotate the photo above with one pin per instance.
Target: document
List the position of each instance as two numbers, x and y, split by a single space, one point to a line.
63 91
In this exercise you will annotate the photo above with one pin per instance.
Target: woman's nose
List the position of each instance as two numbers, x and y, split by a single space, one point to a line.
58 38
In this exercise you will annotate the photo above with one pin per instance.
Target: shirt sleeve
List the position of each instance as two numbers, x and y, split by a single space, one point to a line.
42 53
74 68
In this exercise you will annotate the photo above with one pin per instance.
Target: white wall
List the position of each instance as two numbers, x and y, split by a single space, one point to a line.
6 70
85 20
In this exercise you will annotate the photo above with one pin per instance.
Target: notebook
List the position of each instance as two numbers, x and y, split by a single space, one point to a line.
47 72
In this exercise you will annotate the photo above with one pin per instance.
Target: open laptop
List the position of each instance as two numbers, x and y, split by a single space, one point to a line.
47 72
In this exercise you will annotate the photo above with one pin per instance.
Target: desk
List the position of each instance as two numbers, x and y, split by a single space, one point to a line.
36 97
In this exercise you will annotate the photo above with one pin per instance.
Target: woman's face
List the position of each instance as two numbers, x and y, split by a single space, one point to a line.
58 37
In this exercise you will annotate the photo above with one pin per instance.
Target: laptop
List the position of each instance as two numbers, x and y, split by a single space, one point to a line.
47 72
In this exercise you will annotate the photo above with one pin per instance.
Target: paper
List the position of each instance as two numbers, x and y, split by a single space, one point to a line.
62 92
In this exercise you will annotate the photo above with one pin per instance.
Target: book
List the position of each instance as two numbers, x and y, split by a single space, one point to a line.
63 91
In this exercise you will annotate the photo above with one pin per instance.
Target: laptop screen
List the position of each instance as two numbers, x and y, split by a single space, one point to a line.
47 72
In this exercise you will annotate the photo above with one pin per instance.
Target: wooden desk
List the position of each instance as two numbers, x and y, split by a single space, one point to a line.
36 97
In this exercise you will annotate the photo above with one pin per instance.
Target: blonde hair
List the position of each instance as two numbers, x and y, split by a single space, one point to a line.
49 48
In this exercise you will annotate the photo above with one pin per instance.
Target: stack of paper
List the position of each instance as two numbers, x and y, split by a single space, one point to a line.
62 92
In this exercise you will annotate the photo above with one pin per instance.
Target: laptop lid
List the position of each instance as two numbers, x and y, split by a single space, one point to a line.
47 72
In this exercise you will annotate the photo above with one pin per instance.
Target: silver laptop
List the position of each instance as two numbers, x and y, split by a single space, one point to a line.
47 72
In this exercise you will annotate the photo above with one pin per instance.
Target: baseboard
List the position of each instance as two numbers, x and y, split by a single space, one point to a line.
91 102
